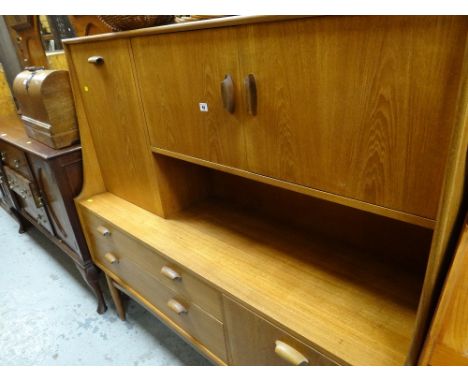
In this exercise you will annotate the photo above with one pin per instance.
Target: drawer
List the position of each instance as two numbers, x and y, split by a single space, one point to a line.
28 197
179 308
255 341
15 159
108 238
203 327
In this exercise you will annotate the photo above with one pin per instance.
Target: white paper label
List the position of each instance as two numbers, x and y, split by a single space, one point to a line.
203 107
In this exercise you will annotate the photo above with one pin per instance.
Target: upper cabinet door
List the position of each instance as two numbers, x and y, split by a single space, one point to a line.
115 116
188 109
356 106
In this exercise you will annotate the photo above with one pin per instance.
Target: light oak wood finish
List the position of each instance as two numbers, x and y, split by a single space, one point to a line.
113 111
447 343
398 215
353 227
255 341
450 216
57 60
115 294
161 63
359 109
350 304
379 149
128 290
344 298
183 312
125 248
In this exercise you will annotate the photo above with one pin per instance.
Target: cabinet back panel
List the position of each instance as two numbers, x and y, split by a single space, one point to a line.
394 240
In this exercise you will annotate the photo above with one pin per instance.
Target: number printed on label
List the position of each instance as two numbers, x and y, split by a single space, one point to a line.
203 107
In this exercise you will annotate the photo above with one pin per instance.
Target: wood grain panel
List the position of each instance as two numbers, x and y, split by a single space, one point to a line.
358 106
447 343
195 321
176 72
188 286
116 122
343 301
252 340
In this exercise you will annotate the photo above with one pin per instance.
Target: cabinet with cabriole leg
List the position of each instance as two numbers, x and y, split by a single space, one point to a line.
297 207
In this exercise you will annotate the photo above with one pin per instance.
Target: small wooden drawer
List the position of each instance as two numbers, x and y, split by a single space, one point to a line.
108 238
195 321
16 160
255 341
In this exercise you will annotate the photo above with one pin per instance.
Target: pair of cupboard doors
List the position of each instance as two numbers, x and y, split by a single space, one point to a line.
360 107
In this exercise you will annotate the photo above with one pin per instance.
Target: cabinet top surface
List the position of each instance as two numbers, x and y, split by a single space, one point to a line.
12 132
181 27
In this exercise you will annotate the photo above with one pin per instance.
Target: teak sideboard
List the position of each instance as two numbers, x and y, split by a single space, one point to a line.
278 190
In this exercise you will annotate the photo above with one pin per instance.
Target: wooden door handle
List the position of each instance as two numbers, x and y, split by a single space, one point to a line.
96 60
170 273
176 306
251 94
103 230
227 93
289 354
111 258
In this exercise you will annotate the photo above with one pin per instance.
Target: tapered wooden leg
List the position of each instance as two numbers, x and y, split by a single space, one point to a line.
115 293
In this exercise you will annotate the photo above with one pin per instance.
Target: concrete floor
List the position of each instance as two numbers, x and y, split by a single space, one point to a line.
48 314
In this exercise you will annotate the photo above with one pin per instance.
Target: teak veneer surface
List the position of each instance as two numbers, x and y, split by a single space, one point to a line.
362 109
352 306
447 343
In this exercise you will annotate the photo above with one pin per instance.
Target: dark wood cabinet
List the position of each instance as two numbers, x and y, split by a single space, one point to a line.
38 185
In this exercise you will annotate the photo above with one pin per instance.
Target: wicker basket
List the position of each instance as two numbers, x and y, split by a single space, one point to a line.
124 23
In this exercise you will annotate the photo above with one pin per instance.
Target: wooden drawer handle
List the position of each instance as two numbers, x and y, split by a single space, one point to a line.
103 231
96 60
111 258
227 93
176 306
251 94
289 354
170 273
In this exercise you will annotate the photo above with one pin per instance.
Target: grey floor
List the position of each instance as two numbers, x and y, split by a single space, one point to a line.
48 315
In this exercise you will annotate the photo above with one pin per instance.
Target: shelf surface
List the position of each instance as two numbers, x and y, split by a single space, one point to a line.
324 195
352 306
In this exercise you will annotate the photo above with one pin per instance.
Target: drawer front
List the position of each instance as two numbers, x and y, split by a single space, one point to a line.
28 197
255 341
187 114
169 274
194 320
119 258
15 159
